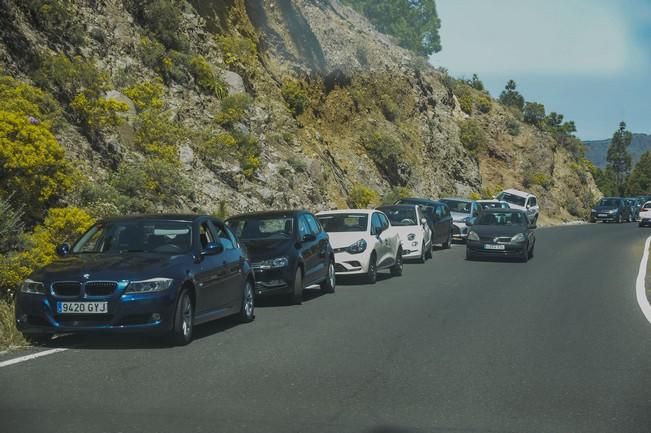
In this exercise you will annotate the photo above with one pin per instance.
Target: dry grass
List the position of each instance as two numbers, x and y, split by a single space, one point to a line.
9 335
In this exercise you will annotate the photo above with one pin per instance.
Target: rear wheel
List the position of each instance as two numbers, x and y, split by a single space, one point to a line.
183 320
396 270
247 311
448 243
371 274
328 285
296 297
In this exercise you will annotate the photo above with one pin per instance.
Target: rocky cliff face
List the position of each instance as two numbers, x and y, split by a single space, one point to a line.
335 111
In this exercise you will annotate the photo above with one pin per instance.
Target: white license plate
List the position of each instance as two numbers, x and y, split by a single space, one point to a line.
494 247
82 307
601 215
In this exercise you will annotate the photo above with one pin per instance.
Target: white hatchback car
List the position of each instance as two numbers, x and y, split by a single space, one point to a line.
411 224
645 214
521 200
364 242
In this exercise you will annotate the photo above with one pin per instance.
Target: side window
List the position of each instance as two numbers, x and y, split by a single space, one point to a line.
385 221
440 212
303 227
533 201
446 210
376 224
314 225
224 236
206 236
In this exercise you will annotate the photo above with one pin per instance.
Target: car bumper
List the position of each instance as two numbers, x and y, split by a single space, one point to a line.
460 230
352 264
151 313
273 281
412 249
609 217
478 249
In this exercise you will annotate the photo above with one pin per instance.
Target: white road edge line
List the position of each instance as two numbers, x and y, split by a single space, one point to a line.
30 357
640 284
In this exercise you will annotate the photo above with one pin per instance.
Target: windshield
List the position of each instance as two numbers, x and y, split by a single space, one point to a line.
401 216
513 199
171 237
493 205
458 206
501 219
341 223
609 202
273 227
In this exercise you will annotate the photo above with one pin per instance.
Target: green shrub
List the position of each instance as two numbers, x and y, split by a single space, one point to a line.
234 109
484 104
362 196
390 108
383 149
299 165
146 95
295 96
465 103
395 194
55 18
474 196
95 113
157 136
513 127
537 178
17 97
163 19
472 135
11 226
205 78
9 335
239 52
534 114
152 185
67 77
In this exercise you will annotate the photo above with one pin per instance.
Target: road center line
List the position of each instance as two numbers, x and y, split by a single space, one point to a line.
30 357
640 284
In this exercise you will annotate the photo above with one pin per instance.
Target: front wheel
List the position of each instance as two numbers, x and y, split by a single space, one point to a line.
524 258
183 320
619 218
469 255
448 243
371 274
423 254
328 285
296 297
396 269
247 310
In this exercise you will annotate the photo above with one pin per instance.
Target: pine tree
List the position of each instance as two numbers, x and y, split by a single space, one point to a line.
639 183
619 160
511 97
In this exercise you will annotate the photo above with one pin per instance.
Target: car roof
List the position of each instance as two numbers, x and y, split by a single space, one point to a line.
421 201
271 213
340 211
518 192
491 201
500 210
461 199
399 206
168 217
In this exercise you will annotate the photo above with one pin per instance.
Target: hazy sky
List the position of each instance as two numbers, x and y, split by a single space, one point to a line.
587 59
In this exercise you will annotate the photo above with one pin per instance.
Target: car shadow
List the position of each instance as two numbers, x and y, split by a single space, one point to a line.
309 294
359 280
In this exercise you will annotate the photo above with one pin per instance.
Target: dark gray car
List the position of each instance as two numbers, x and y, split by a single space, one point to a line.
612 209
501 233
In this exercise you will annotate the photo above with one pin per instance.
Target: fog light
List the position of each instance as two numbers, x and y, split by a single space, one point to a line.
414 244
155 317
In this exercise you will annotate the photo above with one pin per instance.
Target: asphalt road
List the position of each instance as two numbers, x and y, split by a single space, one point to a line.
555 345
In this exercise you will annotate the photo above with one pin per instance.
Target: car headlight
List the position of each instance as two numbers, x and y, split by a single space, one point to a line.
520 237
358 247
612 210
149 286
31 286
411 236
278 262
472 236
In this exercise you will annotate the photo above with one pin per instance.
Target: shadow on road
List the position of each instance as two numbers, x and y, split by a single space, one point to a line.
281 301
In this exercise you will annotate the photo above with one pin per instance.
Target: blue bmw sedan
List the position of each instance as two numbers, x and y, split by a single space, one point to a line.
160 274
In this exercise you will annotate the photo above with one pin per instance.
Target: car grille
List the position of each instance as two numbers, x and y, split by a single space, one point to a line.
100 288
340 268
66 288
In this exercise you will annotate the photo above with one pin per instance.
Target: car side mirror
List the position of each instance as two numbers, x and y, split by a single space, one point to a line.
423 221
63 250
309 237
212 249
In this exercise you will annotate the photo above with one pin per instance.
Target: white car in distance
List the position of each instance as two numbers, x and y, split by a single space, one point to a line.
411 224
364 242
645 215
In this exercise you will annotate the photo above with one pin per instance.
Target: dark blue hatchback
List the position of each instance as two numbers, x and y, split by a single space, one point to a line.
160 274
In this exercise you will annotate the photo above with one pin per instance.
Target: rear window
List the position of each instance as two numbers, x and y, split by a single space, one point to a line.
341 223
511 198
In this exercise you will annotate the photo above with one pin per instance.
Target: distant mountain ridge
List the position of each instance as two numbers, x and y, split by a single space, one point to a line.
597 150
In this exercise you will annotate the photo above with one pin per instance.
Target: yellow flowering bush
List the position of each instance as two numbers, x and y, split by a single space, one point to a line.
32 164
361 196
206 78
96 113
147 95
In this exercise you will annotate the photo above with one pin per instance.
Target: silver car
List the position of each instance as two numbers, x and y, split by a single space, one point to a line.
461 209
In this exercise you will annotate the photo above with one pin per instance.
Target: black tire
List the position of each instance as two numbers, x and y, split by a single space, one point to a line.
430 253
619 218
371 274
423 255
469 255
296 297
38 339
328 285
447 244
592 220
181 333
531 252
396 269
525 254
247 310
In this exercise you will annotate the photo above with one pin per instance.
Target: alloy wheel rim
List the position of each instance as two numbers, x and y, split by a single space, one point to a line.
187 317
331 272
248 301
